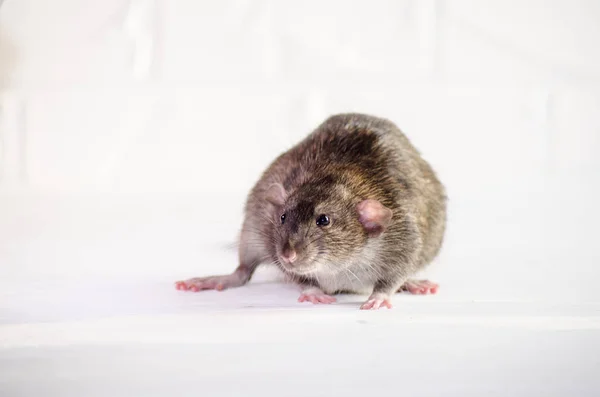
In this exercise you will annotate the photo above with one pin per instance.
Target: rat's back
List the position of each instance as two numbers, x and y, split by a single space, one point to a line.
377 158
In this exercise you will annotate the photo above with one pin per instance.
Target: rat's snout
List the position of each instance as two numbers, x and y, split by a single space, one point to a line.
288 253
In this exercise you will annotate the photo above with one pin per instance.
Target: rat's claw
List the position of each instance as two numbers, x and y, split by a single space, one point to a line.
328 299
375 302
315 296
191 285
218 283
420 287
180 285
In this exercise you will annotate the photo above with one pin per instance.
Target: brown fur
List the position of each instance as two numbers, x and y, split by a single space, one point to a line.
347 159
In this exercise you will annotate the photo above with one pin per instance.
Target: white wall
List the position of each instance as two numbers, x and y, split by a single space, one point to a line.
186 101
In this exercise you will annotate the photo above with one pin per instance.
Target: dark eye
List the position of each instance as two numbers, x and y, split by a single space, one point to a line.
282 219
323 220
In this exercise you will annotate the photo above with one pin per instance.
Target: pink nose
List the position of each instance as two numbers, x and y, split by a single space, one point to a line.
289 256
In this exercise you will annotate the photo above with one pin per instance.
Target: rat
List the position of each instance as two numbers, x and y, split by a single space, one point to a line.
352 208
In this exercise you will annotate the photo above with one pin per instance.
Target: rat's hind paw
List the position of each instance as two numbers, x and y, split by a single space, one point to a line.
421 287
315 295
376 301
218 283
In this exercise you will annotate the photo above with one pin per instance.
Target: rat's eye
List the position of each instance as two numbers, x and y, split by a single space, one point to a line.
323 220
282 219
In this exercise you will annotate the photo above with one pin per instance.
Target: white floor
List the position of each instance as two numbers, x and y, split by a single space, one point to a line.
72 323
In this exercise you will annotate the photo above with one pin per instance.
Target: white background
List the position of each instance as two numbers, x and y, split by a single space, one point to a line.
173 108
131 131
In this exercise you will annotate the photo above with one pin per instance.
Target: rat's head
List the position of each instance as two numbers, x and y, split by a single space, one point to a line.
320 227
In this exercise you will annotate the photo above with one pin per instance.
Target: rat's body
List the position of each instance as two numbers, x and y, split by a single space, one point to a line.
351 208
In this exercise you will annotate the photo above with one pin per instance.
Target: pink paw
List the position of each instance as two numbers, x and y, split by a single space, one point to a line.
421 287
218 283
375 303
315 295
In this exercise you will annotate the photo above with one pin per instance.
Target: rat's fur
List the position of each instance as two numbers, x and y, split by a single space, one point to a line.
348 159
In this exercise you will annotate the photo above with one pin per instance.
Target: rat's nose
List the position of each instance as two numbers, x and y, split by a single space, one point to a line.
288 254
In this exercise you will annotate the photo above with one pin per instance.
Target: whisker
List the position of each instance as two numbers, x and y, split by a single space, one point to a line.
375 271
314 240
306 234
317 277
348 277
352 273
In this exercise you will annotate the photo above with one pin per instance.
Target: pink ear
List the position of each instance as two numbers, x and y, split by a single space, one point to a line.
374 216
276 194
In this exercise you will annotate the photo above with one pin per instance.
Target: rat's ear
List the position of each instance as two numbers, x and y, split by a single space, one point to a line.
374 216
276 194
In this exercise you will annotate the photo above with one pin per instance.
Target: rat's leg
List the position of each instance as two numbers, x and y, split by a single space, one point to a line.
250 256
421 287
314 294
377 300
382 292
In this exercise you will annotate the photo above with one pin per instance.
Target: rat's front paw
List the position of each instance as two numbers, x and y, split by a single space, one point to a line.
421 287
315 295
218 283
377 301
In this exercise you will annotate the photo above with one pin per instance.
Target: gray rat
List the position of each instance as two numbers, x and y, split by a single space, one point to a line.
351 208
